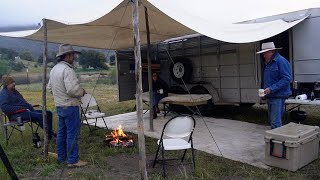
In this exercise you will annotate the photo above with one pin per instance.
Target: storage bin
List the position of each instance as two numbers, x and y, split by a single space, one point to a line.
291 146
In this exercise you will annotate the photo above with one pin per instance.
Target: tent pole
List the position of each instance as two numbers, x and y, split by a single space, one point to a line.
149 70
137 54
44 82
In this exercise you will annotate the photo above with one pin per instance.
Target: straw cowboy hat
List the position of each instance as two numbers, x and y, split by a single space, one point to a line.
66 49
268 46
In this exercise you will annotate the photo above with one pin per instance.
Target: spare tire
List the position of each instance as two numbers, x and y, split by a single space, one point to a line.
181 70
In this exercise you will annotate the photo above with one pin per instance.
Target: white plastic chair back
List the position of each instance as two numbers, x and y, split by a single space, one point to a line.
179 127
88 99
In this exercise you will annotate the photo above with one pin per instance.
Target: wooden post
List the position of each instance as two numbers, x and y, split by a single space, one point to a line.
149 71
28 82
137 55
44 92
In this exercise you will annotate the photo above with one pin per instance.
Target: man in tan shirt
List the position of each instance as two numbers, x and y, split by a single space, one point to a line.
66 90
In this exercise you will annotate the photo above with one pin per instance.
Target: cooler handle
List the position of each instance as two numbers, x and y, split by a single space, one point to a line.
284 150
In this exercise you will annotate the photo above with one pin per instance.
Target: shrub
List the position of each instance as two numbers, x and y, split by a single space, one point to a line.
4 67
19 66
26 56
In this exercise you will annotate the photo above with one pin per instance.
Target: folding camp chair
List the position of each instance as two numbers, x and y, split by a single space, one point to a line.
145 99
9 125
91 110
176 135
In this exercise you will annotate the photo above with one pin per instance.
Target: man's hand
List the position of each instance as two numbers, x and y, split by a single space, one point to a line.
267 91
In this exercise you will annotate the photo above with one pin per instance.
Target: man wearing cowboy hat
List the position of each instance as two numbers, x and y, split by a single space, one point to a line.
66 90
14 105
276 82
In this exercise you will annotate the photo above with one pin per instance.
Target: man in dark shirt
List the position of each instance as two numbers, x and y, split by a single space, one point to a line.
11 102
160 90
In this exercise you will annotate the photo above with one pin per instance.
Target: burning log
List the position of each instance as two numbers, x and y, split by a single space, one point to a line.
118 138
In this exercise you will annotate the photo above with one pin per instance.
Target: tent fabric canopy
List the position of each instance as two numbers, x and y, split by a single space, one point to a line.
218 20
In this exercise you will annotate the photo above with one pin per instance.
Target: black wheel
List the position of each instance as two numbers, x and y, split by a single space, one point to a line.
181 70
204 109
177 90
247 104
177 108
199 90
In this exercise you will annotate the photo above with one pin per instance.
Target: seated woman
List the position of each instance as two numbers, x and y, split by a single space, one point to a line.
160 90
11 101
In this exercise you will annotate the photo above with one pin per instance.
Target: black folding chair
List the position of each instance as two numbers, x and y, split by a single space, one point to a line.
11 125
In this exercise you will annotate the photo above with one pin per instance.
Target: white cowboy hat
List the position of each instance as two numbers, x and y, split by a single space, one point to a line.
267 47
65 49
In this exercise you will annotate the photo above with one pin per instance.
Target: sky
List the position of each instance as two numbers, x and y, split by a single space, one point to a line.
28 13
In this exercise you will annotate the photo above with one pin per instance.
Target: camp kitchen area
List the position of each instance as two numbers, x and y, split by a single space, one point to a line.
232 74
209 62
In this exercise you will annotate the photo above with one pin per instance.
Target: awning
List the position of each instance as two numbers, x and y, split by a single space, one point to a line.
220 20
169 19
111 31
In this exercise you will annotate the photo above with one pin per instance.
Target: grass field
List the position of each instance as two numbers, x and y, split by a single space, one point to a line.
29 162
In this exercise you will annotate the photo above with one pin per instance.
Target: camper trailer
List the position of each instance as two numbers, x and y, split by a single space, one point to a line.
231 73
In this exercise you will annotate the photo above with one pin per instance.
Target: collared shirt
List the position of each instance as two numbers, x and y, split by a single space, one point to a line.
277 77
64 85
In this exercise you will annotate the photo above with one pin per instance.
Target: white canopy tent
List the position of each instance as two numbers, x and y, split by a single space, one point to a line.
215 19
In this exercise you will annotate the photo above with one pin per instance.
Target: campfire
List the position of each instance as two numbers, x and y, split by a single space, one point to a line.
118 138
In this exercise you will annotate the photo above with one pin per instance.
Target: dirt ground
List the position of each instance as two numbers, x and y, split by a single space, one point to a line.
122 166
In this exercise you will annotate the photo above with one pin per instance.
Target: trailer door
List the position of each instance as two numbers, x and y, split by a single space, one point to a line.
126 75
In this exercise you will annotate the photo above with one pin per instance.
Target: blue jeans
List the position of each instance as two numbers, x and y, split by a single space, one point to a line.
275 111
156 98
36 116
67 136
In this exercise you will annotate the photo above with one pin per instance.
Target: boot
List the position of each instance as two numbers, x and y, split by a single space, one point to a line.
78 164
154 112
157 109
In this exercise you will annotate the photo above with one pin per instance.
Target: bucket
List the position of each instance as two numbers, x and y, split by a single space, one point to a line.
298 116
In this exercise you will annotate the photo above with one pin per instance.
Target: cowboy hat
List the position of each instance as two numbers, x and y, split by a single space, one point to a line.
66 49
268 46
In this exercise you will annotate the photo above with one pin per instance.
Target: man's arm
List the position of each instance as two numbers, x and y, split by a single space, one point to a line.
285 76
49 86
7 107
72 85
164 86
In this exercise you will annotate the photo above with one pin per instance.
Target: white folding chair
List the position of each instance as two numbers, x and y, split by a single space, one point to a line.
176 135
91 110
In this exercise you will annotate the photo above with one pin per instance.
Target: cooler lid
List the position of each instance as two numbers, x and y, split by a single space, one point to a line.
292 132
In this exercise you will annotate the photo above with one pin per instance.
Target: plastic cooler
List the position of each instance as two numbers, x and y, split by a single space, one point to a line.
291 146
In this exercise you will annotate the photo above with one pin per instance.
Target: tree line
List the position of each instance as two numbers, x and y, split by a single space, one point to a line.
89 59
